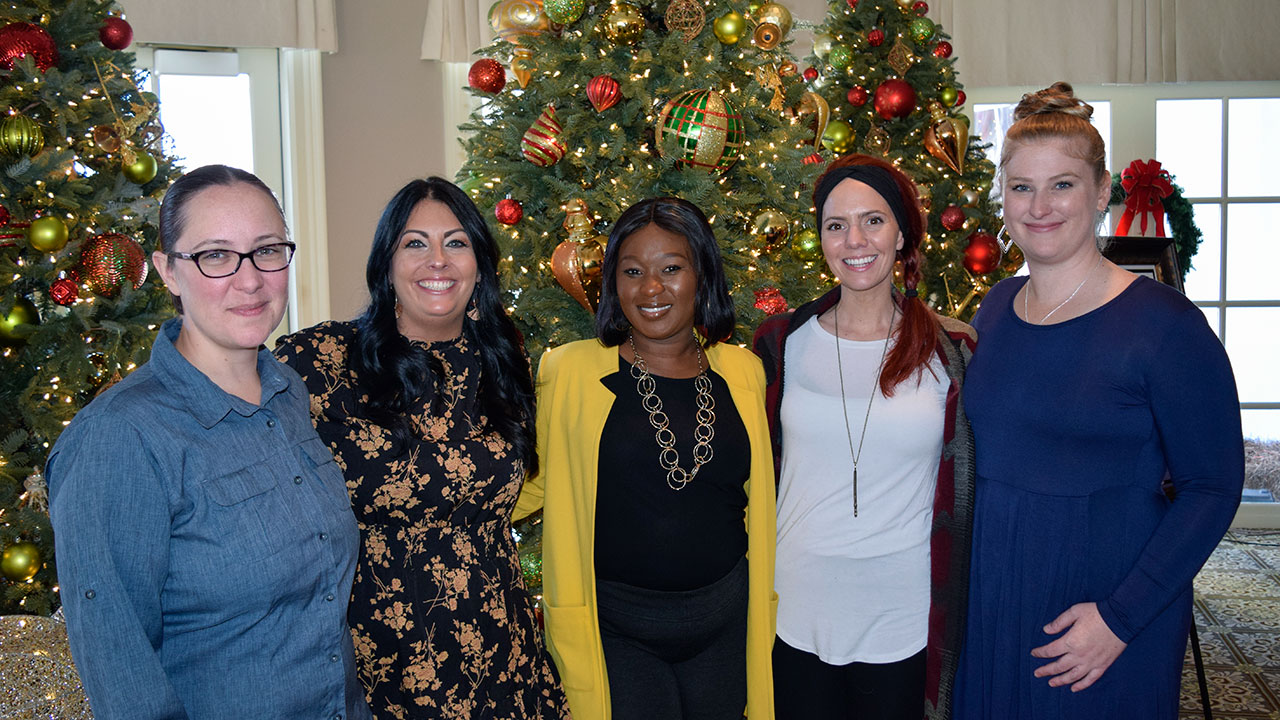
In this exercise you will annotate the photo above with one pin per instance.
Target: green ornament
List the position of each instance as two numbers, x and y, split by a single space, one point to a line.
709 129
948 96
142 171
565 12
19 136
531 569
20 561
921 30
838 137
47 234
840 56
12 334
807 246
729 28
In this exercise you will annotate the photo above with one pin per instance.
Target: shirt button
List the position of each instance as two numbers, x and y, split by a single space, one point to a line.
329 597
297 479
334 658
271 423
89 594
324 536
337 717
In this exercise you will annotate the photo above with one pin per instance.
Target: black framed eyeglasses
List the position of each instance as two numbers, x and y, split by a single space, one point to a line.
220 263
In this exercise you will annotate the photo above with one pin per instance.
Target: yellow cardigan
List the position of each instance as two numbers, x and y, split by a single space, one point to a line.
572 408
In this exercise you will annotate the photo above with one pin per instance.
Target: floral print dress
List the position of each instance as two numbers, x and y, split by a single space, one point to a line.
443 626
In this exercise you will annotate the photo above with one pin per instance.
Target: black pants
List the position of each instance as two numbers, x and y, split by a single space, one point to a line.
806 688
676 655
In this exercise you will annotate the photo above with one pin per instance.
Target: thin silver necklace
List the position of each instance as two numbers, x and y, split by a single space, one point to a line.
1026 295
844 406
668 456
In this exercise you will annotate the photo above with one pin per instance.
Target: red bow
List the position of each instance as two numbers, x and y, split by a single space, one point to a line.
1146 185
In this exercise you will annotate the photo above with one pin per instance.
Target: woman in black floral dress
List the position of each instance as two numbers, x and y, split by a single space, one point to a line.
427 403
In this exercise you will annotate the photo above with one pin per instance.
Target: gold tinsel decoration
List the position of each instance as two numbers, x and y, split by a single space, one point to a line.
768 77
40 680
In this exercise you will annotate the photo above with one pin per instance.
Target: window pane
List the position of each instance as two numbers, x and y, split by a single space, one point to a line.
1211 315
1261 424
209 119
1252 154
1189 144
1252 251
1253 345
1204 281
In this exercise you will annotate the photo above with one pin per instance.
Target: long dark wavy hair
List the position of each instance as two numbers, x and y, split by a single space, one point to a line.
398 375
714 313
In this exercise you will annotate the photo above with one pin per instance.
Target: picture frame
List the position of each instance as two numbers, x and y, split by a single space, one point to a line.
1154 257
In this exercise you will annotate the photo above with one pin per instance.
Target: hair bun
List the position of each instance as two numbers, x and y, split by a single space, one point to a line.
1058 97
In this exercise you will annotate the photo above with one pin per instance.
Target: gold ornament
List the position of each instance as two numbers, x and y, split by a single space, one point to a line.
770 228
905 4
822 43
12 332
816 113
623 23
576 263
948 96
969 197
511 19
20 561
47 234
729 28
900 57
522 65
766 36
20 136
753 7
877 141
947 138
708 129
788 68
774 13
767 76
106 137
838 137
807 246
142 170
686 17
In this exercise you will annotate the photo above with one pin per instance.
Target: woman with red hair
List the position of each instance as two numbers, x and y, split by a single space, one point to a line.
875 466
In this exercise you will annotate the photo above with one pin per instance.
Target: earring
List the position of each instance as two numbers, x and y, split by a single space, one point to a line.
473 312
1004 244
399 310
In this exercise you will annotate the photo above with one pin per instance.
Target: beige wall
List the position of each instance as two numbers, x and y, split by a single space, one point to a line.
383 127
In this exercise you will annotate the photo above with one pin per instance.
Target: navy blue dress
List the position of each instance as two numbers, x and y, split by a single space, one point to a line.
1076 425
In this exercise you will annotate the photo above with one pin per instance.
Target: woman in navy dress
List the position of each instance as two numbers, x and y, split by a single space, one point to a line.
1109 452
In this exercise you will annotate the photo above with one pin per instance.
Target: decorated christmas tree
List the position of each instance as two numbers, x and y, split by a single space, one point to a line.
83 171
886 85
614 103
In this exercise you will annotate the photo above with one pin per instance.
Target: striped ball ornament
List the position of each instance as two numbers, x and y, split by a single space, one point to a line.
709 130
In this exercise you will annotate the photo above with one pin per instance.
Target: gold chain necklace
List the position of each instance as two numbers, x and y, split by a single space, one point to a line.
668 456
844 406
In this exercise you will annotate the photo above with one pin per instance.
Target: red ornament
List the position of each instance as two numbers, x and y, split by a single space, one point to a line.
960 97
4 216
109 261
770 300
952 218
508 211
875 37
895 99
853 4
487 75
63 291
19 39
602 91
115 33
810 74
813 159
857 96
921 7
982 254
942 49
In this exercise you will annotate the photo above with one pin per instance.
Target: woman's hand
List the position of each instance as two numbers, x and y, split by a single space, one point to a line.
1084 653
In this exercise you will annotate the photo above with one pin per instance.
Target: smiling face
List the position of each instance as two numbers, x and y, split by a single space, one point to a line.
433 272
1052 201
860 237
224 316
657 285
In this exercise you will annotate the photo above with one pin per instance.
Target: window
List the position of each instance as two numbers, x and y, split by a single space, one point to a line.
1216 140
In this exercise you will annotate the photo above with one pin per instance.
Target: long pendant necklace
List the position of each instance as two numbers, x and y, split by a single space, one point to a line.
844 406
668 456
1026 295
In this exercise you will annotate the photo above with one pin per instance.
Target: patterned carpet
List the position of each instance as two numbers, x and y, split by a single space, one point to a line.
1237 613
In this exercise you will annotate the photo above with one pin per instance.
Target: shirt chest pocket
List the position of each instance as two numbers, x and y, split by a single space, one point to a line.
247 515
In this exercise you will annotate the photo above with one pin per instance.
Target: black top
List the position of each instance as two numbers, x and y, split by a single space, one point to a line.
647 534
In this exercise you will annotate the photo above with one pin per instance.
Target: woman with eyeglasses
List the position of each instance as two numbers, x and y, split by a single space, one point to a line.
426 400
205 544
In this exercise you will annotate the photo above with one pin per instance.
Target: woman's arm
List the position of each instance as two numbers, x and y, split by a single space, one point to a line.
111 521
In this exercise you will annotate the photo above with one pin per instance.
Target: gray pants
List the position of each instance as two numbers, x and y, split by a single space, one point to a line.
676 655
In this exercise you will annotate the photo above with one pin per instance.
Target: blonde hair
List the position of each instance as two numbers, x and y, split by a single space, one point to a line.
1055 113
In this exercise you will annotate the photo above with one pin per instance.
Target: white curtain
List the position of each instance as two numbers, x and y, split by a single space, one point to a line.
1034 42
304 24
455 29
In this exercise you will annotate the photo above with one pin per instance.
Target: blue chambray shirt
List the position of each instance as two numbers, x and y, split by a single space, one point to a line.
206 549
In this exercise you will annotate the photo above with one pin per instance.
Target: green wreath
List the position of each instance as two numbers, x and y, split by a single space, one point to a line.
1182 224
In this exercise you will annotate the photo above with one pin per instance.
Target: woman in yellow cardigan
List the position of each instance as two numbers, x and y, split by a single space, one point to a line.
657 484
